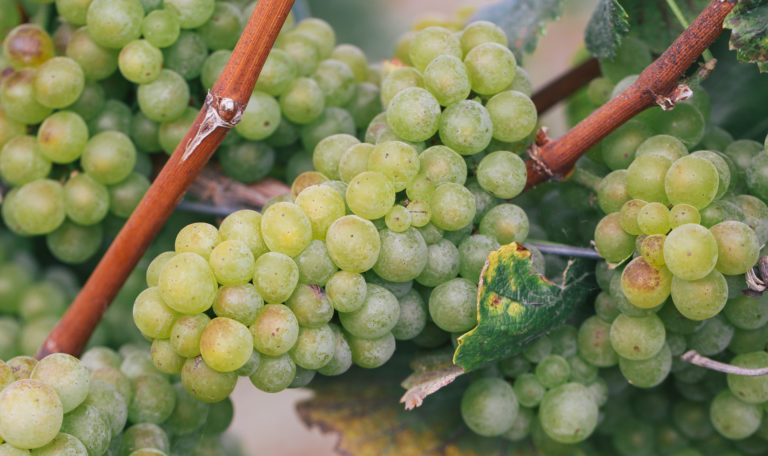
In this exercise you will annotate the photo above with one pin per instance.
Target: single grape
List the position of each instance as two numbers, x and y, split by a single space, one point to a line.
17 96
430 43
619 147
502 174
611 241
414 114
274 374
245 226
637 338
747 312
491 67
314 347
114 24
452 206
645 177
286 229
191 13
206 384
447 79
371 353
160 27
402 257
370 195
733 418
223 28
712 337
473 252
691 180
165 358
568 413
612 193
737 247
653 218
165 99
59 82
27 45
513 115
275 276
690 251
275 330
649 372
465 127
140 62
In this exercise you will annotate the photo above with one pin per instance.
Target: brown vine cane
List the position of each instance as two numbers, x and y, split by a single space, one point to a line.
222 109
658 81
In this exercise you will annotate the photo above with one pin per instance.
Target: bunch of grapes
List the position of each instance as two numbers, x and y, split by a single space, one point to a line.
106 403
375 245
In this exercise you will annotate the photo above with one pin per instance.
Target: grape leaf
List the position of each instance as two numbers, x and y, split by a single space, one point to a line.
522 20
362 407
605 29
749 32
515 305
431 372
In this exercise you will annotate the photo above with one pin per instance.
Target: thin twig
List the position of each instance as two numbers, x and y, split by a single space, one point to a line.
565 85
661 79
693 357
552 248
225 102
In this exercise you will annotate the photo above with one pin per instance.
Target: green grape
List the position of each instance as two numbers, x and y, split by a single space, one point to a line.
375 317
568 414
302 49
286 229
315 264
261 117
645 177
398 219
396 160
633 437
347 291
612 193
402 256
206 384
275 330
214 65
430 43
232 262
191 13
89 425
594 343
27 45
692 419
17 96
110 403
513 116
414 114
354 58
115 115
62 445
453 305
66 376
756 174
553 371
321 32
278 72
692 180
737 247
443 261
721 165
152 316
160 27
686 123
114 24
473 252
581 370
186 56
353 161
421 213
680 214
109 157
440 164
304 180
341 360
223 28
59 82
491 67
311 306
189 415
599 90
140 62
336 80
22 161
39 206
747 312
187 284
465 127
652 249
606 307
199 238
447 79
528 390
220 416
22 367
506 223
126 195
333 120
9 128
647 373
479 32
303 101
702 298
275 276
398 80
538 350
712 337
412 317
165 99
153 399
165 358
745 341
521 425
370 195
431 234
96 61
749 389
502 174
690 251
371 353
245 162
314 347
637 338
653 218
514 366
452 206
611 241
144 133
226 344
115 378
274 374
239 302
245 226
144 436
664 145
98 357
619 147
328 152
628 216
733 418
91 102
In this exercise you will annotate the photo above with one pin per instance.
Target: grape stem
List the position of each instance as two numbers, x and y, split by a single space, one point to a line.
565 85
235 83
211 186
693 357
678 13
552 248
660 80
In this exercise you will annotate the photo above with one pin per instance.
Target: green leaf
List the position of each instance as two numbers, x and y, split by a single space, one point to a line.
605 29
515 305
362 407
431 372
522 20
749 32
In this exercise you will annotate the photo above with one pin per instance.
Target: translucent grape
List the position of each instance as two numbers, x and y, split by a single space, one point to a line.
479 32
165 358
17 96
645 177
27 45
244 226
619 147
737 247
274 374
206 384
690 251
59 82
275 330
187 283
161 28
653 218
370 195
336 80
733 418
286 229
691 180
315 264
113 24
489 406
447 79
398 80
594 342
473 252
314 347
31 414
191 13
239 302
611 241
414 114
396 160
612 193
21 161
371 353
302 101
513 115
502 174
430 43
347 291
465 127
223 28
568 413
491 67
453 305
226 344
164 99
354 160
140 62
506 223
452 207
402 256
649 372
275 276
746 312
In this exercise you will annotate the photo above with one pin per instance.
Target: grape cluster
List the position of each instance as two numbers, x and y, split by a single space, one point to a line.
324 276
106 403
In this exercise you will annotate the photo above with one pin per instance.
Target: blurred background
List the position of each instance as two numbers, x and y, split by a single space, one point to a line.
266 423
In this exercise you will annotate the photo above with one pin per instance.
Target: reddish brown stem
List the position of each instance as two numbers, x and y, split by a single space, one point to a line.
236 83
556 159
565 85
214 187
